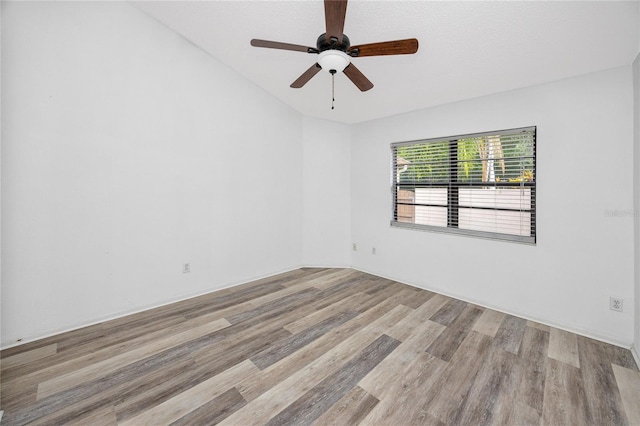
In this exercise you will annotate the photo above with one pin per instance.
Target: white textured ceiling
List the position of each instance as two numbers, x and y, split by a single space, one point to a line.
467 49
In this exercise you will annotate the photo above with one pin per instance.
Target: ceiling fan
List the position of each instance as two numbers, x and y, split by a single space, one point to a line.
335 51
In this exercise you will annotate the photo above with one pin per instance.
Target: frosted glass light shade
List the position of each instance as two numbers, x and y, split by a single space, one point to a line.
333 60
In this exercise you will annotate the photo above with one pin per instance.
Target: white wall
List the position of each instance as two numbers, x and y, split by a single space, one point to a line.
327 193
636 195
636 192
584 147
0 190
127 152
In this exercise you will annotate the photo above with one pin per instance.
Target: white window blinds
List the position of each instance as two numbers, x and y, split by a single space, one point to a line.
481 184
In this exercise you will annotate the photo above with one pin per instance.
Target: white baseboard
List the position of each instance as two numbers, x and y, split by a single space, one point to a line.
158 305
586 333
141 309
634 352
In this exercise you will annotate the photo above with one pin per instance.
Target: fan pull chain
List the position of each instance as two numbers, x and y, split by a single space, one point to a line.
333 87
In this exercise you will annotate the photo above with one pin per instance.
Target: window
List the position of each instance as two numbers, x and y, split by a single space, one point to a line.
481 184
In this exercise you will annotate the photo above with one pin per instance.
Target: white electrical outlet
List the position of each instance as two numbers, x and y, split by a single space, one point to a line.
186 268
615 304
355 247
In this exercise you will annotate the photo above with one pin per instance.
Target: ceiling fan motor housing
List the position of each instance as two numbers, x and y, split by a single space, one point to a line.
332 43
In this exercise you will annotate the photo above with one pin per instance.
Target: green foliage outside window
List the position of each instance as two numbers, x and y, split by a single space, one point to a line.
479 159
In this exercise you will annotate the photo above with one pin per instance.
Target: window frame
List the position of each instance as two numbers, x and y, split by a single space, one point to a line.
453 185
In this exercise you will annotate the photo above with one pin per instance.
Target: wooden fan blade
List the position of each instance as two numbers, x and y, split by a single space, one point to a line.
284 46
357 78
334 14
396 47
306 76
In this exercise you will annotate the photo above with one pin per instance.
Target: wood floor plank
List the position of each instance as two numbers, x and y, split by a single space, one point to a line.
121 328
213 303
532 371
332 346
101 348
105 350
405 328
449 312
86 398
184 403
134 384
491 396
401 363
422 418
348 410
538 325
380 293
275 306
447 343
333 278
628 382
284 278
563 347
14 395
208 362
120 331
446 397
276 314
349 303
363 328
306 274
106 367
355 283
276 352
72 339
523 415
318 399
137 387
489 322
28 356
286 290
408 391
287 366
57 366
601 389
376 284
418 297
105 416
287 390
214 411
359 285
620 356
509 335
564 397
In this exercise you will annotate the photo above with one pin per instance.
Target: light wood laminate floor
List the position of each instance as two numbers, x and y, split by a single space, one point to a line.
320 346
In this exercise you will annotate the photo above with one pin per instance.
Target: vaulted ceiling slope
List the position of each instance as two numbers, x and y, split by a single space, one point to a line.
467 49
